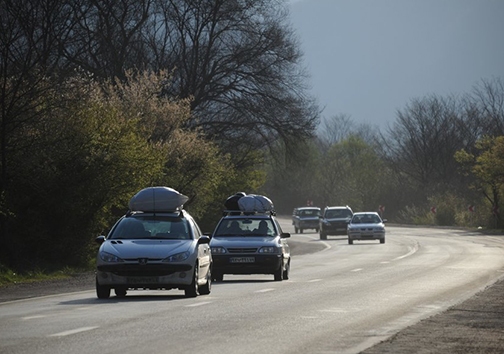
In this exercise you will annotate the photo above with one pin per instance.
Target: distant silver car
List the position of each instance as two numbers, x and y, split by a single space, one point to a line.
160 247
366 226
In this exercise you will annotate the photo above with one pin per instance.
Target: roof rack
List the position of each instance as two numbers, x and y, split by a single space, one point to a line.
174 211
246 212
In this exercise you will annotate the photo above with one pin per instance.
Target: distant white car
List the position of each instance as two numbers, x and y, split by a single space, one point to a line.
366 226
159 247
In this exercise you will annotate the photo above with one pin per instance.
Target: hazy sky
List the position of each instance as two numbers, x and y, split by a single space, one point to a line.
369 58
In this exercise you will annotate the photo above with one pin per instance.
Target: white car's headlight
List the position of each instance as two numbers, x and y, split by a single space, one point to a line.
109 257
218 250
268 249
179 257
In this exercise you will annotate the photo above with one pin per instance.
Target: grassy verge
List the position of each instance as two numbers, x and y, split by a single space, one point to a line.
9 276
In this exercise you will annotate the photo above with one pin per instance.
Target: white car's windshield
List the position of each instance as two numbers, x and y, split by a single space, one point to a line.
151 227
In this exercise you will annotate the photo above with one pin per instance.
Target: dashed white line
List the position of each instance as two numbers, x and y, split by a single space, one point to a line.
73 331
199 304
33 317
314 280
264 290
356 270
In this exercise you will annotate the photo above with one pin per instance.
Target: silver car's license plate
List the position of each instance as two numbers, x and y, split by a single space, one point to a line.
142 280
242 260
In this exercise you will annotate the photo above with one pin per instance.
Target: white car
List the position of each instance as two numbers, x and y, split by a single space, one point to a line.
159 247
366 226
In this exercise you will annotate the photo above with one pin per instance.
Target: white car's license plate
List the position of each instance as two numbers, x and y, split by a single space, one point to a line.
142 280
242 260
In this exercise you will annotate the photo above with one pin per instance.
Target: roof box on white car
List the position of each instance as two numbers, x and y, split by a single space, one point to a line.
157 199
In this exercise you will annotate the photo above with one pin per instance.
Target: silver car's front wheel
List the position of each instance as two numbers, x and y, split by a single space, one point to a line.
102 291
192 289
205 289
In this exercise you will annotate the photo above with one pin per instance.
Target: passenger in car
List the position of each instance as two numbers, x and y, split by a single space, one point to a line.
178 230
262 229
234 228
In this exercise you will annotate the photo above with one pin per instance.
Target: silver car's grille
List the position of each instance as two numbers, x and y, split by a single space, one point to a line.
242 250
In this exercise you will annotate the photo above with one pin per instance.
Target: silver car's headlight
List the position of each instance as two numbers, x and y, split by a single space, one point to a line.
218 250
268 249
381 229
109 257
179 257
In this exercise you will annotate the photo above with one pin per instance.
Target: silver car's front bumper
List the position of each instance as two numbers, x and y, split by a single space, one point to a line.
151 280
356 235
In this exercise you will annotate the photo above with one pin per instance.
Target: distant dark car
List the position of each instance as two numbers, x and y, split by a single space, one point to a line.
334 221
250 243
306 218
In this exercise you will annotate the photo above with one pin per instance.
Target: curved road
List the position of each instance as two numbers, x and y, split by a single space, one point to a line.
341 299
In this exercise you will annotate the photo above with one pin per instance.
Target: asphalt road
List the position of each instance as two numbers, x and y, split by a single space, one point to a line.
340 298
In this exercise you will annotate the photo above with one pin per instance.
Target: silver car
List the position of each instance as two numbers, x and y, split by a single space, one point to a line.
366 226
154 250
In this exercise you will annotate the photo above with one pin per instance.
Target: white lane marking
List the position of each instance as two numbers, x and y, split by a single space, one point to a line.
327 246
335 310
314 280
33 317
264 290
386 262
73 331
412 250
199 304
356 270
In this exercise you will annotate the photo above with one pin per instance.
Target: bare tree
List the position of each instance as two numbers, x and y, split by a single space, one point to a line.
29 60
423 141
335 129
106 37
487 101
239 61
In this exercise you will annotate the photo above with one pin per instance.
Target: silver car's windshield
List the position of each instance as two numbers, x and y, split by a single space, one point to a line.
245 227
366 219
151 227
